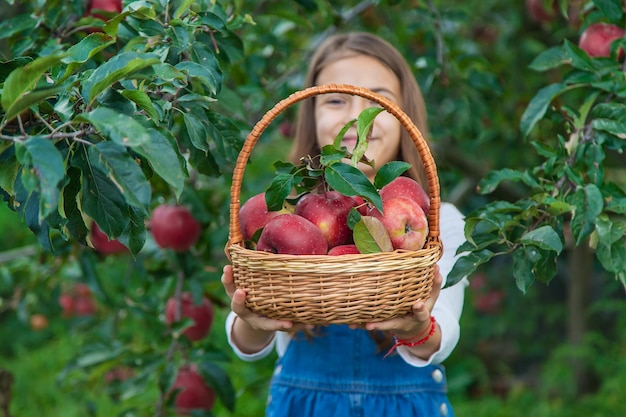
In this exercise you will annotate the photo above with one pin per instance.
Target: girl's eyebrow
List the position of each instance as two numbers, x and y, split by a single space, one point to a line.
383 90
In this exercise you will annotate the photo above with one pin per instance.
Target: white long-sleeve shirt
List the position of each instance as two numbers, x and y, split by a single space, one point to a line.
447 309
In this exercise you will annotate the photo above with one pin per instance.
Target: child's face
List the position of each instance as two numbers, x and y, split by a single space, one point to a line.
333 111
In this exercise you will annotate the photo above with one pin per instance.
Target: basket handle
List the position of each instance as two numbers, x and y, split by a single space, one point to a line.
235 235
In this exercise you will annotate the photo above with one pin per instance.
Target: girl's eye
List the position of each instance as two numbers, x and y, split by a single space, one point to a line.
335 100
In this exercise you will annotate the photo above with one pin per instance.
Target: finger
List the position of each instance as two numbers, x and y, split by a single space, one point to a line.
228 281
238 303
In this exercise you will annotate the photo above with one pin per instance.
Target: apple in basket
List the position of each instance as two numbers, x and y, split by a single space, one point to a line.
406 187
329 211
405 222
254 215
350 249
292 234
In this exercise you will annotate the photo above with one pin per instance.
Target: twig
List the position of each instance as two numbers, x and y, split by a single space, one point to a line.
18 253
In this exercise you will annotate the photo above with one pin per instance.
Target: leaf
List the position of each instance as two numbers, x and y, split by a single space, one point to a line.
142 100
579 58
613 127
162 153
281 186
84 50
40 157
195 130
364 124
522 270
118 127
544 237
389 172
538 106
117 68
208 74
350 181
611 247
549 59
611 9
32 97
342 133
219 380
370 236
23 80
123 171
493 179
101 199
588 204
466 265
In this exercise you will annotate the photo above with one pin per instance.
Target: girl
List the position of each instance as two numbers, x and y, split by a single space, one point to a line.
343 370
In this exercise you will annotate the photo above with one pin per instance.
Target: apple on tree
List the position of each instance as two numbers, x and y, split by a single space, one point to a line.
174 227
405 222
192 393
78 301
201 314
292 234
102 244
542 11
110 6
596 39
328 211
254 215
409 188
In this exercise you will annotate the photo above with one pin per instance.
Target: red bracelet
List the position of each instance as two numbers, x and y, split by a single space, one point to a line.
410 342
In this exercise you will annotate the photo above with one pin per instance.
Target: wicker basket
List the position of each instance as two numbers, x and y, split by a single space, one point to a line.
319 289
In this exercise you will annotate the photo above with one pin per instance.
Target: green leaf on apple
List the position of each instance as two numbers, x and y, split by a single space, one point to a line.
350 181
389 172
370 236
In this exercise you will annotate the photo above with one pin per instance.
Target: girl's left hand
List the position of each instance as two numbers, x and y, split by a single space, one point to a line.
417 320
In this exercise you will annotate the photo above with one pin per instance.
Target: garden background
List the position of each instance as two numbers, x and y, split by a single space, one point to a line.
514 107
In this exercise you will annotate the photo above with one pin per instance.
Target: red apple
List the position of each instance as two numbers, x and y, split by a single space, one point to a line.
292 234
489 302
328 211
102 244
111 6
542 11
84 306
350 249
405 221
596 39
78 301
360 205
254 215
193 393
286 129
201 314
174 227
409 188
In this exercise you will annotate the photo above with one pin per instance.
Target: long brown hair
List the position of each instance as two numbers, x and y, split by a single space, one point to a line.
361 43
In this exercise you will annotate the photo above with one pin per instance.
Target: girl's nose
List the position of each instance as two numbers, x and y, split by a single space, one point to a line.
357 105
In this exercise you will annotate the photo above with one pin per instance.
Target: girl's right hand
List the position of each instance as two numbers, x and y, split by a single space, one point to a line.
238 305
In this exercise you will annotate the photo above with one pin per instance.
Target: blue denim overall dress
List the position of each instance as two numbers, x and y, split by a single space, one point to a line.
340 374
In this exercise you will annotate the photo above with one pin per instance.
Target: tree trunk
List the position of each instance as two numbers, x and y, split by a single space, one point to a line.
6 380
578 299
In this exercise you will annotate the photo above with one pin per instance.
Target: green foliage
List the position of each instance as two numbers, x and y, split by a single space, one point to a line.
152 107
568 191
112 112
